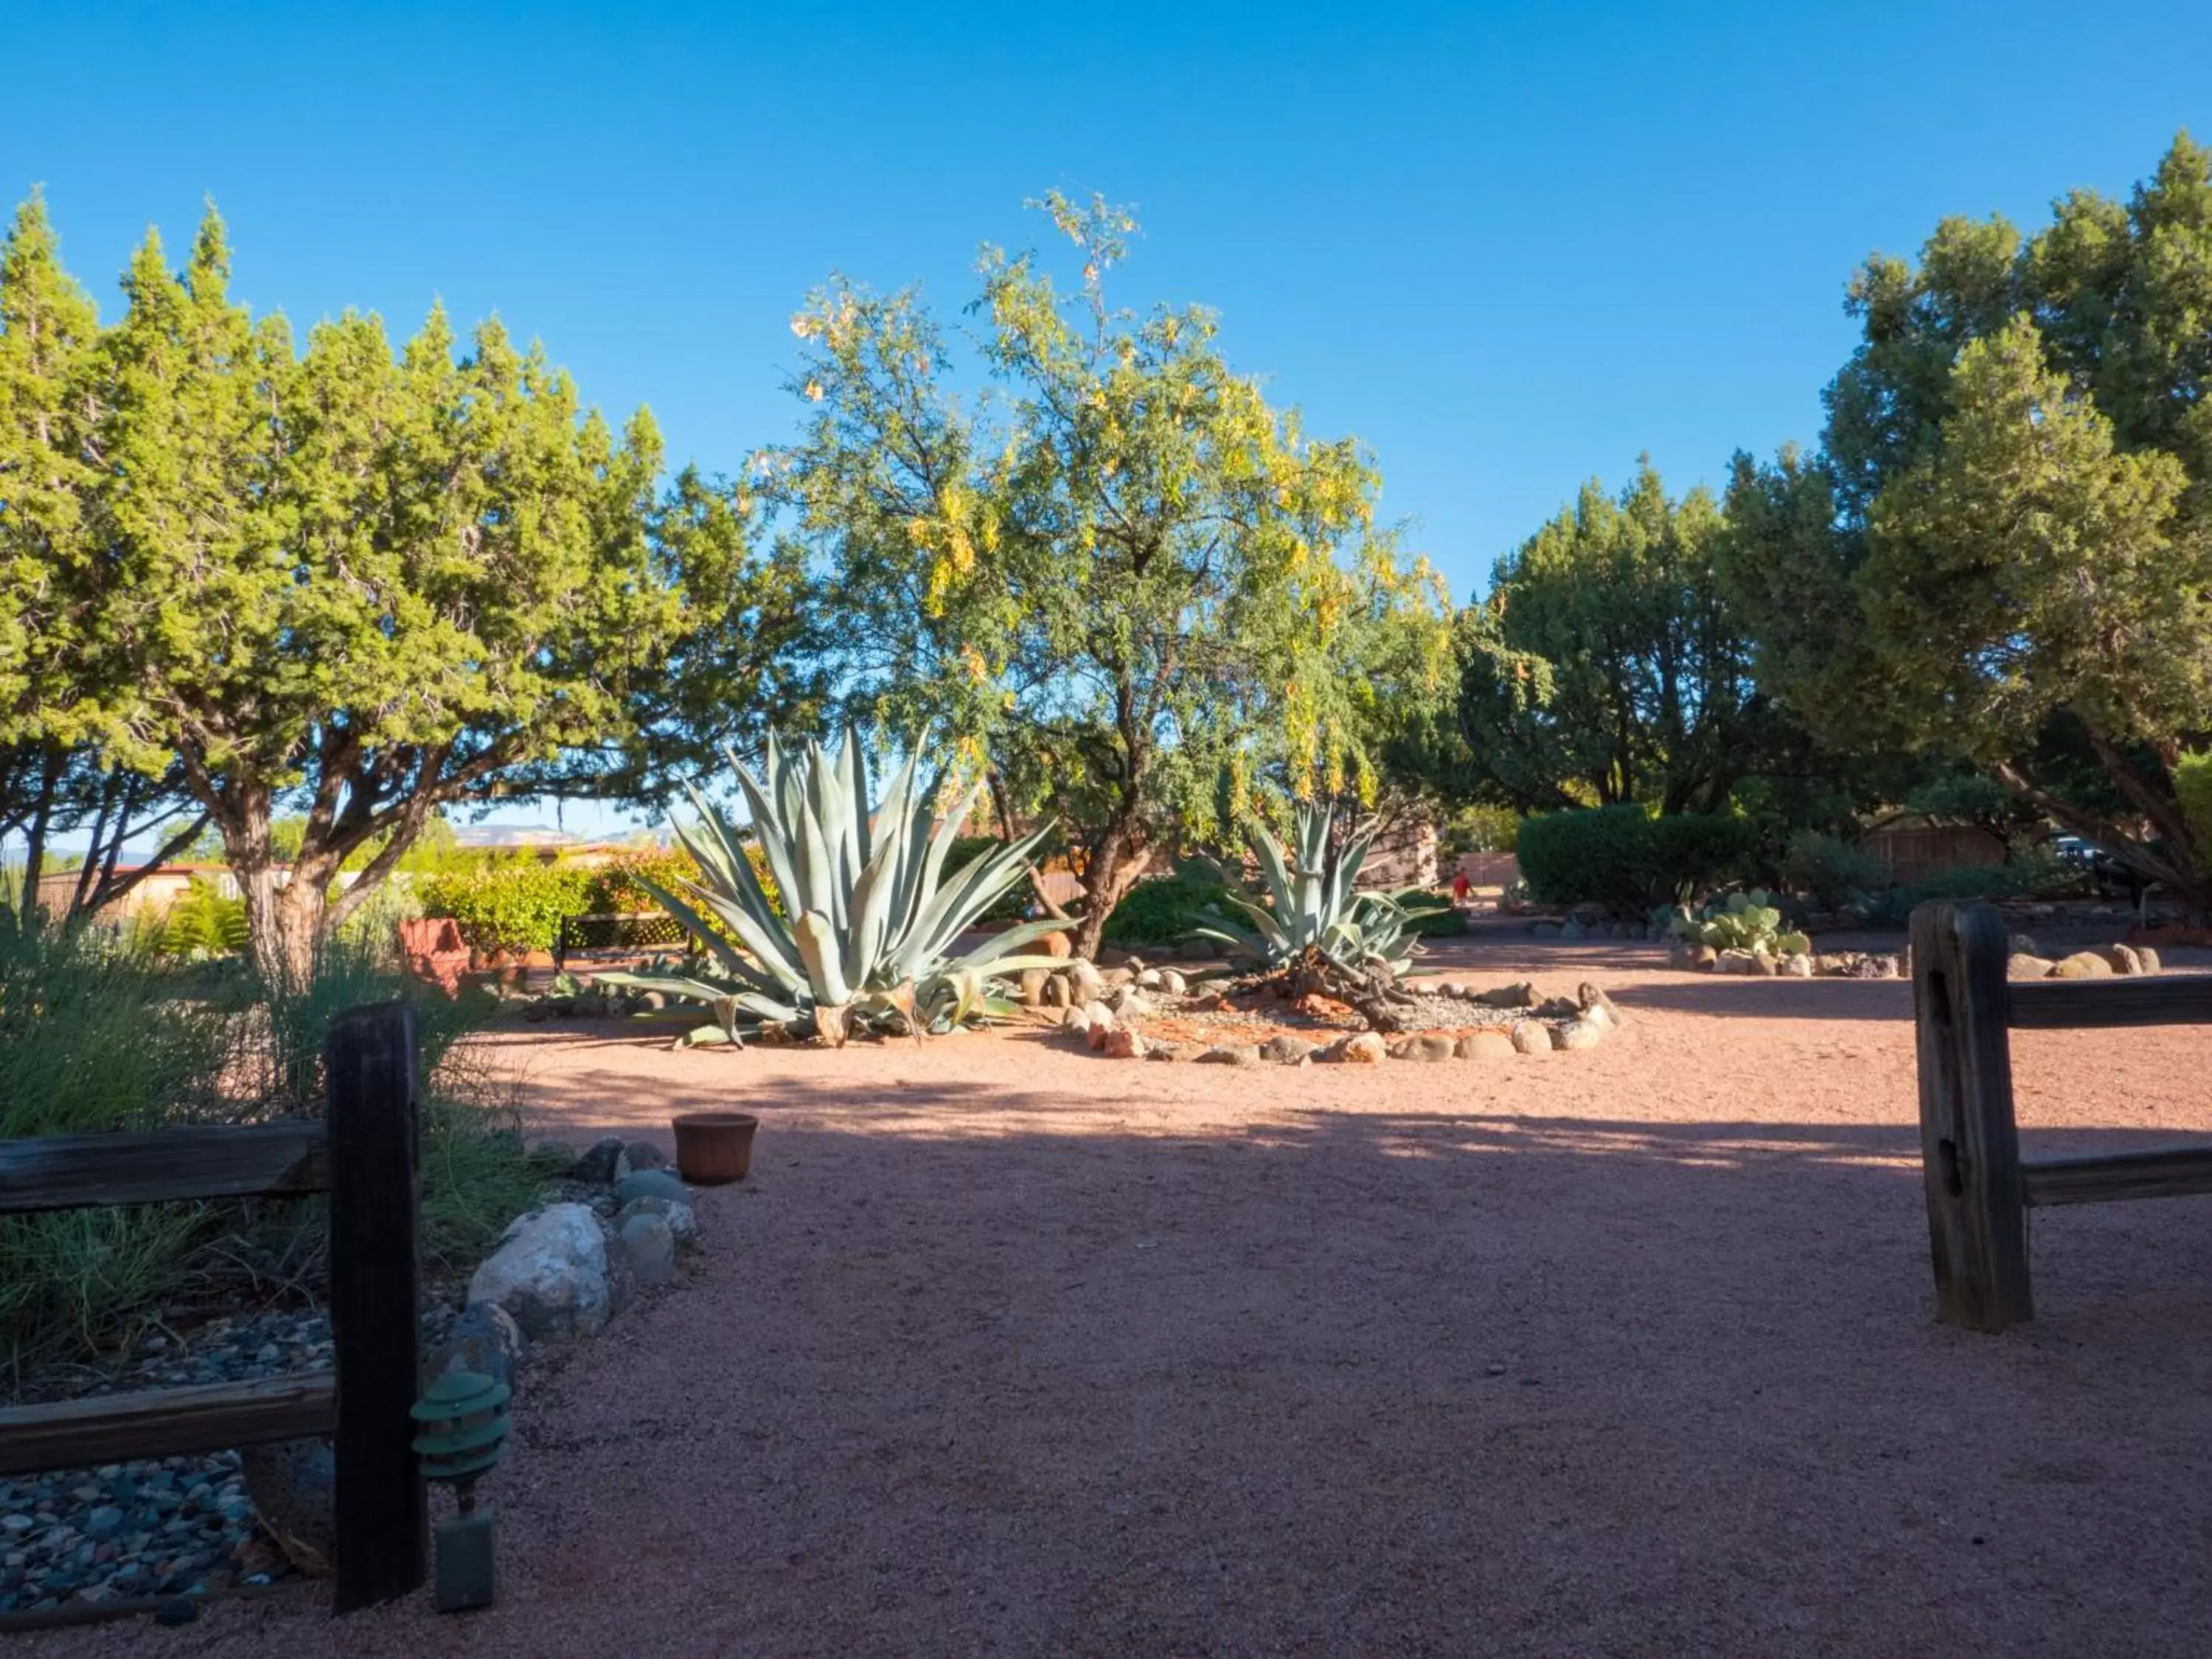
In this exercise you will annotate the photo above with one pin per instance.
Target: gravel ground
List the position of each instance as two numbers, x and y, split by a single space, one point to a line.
1007 1348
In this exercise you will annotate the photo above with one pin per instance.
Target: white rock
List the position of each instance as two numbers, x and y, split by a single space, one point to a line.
549 1273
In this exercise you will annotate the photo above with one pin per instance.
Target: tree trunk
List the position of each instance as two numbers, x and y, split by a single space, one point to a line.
284 919
31 911
1116 866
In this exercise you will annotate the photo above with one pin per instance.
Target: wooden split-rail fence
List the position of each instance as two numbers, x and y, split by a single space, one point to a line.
1980 1189
363 1154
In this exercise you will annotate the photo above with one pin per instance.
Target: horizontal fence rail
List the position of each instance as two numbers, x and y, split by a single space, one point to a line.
364 1155
1978 1188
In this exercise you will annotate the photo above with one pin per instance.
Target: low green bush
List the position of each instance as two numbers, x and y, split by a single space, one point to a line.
1164 912
1627 860
97 1036
510 903
1432 915
1830 870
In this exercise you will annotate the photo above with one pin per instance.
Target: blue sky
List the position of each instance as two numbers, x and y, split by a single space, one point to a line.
1509 246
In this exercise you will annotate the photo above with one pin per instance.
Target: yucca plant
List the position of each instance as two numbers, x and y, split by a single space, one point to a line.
1312 908
866 914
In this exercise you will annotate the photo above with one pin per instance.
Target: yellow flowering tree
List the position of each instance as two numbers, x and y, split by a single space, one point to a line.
1113 563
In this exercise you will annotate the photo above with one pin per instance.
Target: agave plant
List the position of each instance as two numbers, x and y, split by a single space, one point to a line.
867 914
1312 906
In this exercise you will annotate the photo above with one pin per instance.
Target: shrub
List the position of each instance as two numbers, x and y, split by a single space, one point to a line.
1431 916
1626 860
95 1037
202 923
1009 906
1166 911
1830 870
512 903
1742 922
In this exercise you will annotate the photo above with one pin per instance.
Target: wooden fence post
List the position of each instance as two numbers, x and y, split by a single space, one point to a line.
1969 1142
382 1515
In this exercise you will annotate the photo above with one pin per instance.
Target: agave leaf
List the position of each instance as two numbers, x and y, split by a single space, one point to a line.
733 962
1021 933
774 840
817 944
703 1036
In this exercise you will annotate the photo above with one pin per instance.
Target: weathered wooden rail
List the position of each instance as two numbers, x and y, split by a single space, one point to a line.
364 1156
1979 1188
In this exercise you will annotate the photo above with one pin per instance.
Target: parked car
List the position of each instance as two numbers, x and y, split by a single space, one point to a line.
2100 866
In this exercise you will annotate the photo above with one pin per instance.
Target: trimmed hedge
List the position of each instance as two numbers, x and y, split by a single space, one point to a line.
1164 912
1626 860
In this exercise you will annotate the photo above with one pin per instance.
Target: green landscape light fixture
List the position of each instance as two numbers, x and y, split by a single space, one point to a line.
464 1418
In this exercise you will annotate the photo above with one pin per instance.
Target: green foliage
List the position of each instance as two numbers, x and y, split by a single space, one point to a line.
1126 578
2192 789
1313 904
868 914
1742 922
1009 905
96 1037
202 923
1481 828
1603 666
1625 859
1165 910
513 904
1430 916
386 578
2004 551
1831 870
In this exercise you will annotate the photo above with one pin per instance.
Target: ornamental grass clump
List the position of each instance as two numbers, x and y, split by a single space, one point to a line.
861 940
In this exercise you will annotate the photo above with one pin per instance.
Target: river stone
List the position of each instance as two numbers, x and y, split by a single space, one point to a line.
1056 991
1596 1005
1098 1020
1360 1048
1572 929
1735 962
1287 1050
683 1221
1089 984
1428 1046
1173 983
2125 958
2022 965
652 1184
1484 1045
1231 1053
1530 1038
2148 955
484 1339
549 1272
1123 1042
607 1162
1578 1034
644 1155
650 1245
291 1483
1521 994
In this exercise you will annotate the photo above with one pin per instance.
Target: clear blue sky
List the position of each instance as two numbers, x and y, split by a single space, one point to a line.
1509 246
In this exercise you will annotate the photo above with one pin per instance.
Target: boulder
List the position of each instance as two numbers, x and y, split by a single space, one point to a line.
1577 1034
1522 994
1123 1042
648 1243
1089 984
2148 955
1230 1053
549 1273
1358 1049
2022 945
1128 999
607 1162
2022 964
1033 981
2083 964
1735 962
1149 979
683 1220
1765 964
1596 1005
1173 983
1056 993
1427 1046
652 1184
484 1339
1172 1051
1571 930
1287 1050
1073 1019
1530 1038
1484 1045
1798 965
2125 958
644 1155
1098 1020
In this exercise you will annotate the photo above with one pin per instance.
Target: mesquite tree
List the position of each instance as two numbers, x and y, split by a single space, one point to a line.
1121 574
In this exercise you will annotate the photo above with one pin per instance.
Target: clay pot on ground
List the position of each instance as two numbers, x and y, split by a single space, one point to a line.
714 1149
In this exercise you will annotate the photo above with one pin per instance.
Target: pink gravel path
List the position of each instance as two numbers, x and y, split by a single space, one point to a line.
1007 1349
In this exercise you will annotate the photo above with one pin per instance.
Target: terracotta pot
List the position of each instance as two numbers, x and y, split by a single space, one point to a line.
713 1148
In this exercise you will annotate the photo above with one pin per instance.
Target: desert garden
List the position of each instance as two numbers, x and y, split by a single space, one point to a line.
1139 1079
